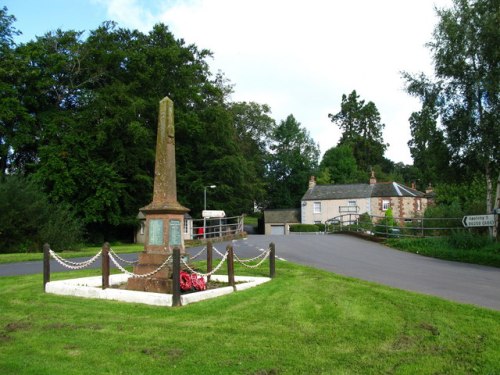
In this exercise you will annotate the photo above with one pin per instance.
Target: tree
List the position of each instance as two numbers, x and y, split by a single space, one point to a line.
342 166
254 128
466 58
361 129
27 220
427 144
293 159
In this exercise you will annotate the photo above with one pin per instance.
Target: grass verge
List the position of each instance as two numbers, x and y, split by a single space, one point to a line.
84 252
488 255
305 321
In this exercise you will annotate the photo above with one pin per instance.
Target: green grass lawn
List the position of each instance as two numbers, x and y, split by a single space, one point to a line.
88 251
305 321
488 255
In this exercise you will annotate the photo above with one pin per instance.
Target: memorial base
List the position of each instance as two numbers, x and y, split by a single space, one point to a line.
160 282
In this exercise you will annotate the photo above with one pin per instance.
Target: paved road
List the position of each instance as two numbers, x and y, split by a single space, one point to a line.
365 260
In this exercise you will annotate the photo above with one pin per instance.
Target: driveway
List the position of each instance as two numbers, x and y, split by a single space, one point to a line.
354 257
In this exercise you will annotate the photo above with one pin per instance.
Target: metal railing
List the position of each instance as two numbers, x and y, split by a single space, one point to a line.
217 227
395 226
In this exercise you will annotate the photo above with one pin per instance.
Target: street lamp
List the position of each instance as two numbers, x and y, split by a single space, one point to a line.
205 208
205 195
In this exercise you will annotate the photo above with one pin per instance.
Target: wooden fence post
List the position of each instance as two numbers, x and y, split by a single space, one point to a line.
176 277
105 265
46 265
209 258
230 266
272 260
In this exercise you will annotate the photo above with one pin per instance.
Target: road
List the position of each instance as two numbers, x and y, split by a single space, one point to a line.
350 256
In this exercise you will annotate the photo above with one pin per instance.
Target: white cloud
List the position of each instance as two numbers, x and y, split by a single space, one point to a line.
300 57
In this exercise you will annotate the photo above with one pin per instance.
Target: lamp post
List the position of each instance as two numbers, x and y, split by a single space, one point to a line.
205 208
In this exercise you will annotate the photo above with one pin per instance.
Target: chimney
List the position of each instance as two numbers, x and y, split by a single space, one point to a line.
429 189
413 185
312 182
373 180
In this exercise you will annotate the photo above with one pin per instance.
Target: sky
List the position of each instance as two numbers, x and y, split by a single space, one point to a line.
299 57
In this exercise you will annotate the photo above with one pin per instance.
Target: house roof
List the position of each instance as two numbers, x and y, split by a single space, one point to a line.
282 216
351 191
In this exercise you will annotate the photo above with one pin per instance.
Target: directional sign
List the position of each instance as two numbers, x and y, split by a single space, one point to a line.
479 221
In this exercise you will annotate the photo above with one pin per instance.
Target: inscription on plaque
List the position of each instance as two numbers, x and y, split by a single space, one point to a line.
156 232
174 233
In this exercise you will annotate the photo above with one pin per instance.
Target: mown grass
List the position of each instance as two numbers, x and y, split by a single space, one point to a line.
305 321
488 254
84 252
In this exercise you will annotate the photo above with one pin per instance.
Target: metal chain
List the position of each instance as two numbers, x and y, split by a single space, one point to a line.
121 259
74 265
201 252
218 252
223 260
139 276
243 263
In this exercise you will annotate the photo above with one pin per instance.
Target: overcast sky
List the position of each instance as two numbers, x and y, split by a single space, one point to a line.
297 56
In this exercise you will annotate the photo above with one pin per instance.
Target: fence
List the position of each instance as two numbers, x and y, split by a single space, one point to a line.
178 264
394 227
217 227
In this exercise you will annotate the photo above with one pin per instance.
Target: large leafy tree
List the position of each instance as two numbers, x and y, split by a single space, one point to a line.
254 128
293 159
467 68
427 144
86 126
341 166
361 128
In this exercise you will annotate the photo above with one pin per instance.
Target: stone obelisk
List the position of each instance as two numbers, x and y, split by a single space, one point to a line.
164 215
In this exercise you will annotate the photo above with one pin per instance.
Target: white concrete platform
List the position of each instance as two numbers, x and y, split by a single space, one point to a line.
90 287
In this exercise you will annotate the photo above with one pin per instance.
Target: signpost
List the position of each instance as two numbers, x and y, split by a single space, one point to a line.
478 221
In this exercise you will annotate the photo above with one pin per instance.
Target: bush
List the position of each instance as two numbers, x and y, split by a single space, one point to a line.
465 240
27 219
307 228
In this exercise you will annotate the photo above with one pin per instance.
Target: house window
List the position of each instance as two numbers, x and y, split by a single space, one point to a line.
419 205
186 226
385 205
352 203
142 228
317 207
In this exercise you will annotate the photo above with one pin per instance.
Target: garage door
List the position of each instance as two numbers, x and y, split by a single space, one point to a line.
278 229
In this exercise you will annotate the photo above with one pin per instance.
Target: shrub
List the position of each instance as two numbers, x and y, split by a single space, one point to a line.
466 240
27 219
306 227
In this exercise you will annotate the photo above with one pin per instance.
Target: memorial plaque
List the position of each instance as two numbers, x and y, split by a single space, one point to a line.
174 233
156 232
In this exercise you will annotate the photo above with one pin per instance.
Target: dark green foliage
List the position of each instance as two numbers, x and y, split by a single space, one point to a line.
293 159
442 248
340 164
464 240
361 130
308 228
463 98
27 219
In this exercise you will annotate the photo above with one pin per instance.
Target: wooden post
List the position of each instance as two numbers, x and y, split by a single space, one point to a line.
105 265
230 266
176 277
209 259
46 265
272 260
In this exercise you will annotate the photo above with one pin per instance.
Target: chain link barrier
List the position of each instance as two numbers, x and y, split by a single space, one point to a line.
199 253
139 276
223 260
111 251
74 265
244 262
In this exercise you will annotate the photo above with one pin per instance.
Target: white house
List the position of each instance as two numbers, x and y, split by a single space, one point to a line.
323 202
